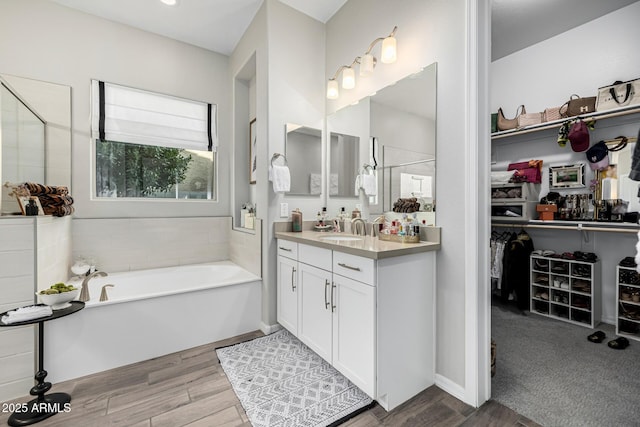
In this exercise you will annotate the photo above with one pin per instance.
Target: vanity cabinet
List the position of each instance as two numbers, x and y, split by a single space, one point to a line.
336 317
371 319
287 272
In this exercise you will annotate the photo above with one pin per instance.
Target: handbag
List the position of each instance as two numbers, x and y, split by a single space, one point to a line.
551 114
576 106
619 94
530 171
528 119
507 124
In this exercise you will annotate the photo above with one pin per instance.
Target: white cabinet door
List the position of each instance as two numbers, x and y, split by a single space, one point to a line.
288 294
314 328
354 331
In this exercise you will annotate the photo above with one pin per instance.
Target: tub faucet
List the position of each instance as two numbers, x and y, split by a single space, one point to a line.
359 227
84 293
103 293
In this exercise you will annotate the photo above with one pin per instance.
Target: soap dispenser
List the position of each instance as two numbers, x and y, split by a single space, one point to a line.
296 220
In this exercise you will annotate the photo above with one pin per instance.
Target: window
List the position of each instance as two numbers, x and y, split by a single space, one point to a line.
149 145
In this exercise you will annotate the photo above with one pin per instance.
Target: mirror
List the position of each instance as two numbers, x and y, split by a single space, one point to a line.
619 169
396 128
45 135
303 150
343 164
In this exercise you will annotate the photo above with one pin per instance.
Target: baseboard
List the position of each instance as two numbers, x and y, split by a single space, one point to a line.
269 329
450 387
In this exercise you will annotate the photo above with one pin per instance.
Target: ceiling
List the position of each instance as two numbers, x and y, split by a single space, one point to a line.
218 25
516 24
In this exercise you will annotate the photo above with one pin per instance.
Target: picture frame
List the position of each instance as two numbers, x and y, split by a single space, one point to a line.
253 148
23 201
567 176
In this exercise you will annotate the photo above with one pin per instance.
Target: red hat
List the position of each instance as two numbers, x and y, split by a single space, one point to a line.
579 136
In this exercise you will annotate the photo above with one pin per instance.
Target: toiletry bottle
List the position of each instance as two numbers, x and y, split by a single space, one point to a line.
31 209
355 213
296 220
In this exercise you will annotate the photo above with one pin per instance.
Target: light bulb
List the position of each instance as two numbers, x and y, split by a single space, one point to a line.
348 78
170 2
366 65
388 55
332 89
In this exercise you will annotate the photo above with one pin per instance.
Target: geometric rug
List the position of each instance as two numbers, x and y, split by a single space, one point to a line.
281 382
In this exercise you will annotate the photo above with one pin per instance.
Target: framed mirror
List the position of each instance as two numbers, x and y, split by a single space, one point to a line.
35 130
303 149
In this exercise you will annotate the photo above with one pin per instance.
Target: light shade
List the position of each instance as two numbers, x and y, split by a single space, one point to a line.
348 78
332 89
366 65
388 55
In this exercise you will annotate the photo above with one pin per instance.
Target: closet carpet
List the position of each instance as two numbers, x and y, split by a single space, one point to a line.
548 371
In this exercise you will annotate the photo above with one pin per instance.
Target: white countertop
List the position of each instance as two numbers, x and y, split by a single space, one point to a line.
369 247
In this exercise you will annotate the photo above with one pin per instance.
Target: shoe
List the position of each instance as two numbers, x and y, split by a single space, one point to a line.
597 337
619 343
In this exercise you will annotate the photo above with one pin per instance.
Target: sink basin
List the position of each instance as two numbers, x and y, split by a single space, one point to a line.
341 238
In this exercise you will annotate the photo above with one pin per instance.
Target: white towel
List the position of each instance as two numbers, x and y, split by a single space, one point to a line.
281 178
23 314
369 184
315 183
333 184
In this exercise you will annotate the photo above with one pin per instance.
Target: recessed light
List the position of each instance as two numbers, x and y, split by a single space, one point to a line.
170 2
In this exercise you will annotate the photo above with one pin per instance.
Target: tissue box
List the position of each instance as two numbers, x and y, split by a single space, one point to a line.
546 212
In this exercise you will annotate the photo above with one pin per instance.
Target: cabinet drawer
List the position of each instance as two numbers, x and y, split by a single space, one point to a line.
312 255
354 267
288 249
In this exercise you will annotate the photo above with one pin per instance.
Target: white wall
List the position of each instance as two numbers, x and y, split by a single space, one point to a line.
42 40
563 65
430 31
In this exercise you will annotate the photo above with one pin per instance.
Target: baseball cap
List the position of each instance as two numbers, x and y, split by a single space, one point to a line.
598 156
579 136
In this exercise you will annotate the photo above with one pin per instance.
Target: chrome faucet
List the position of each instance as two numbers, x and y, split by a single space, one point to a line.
358 227
84 293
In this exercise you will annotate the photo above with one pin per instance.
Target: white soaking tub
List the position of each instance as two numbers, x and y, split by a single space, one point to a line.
151 313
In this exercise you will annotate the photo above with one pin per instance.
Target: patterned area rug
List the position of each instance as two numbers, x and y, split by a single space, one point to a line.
281 382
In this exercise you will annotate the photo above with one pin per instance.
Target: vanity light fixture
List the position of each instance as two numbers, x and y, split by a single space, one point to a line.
367 63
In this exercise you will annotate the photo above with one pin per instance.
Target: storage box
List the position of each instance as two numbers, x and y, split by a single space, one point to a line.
546 212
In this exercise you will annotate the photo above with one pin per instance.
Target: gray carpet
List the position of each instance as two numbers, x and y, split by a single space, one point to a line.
548 371
282 383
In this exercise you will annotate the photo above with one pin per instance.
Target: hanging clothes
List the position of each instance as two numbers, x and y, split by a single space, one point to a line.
516 269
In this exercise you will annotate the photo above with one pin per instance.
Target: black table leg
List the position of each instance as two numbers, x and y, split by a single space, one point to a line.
44 405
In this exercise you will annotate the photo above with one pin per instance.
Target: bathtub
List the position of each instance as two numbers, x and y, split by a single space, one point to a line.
151 313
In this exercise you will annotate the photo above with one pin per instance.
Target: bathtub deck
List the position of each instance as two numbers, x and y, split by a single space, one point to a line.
189 388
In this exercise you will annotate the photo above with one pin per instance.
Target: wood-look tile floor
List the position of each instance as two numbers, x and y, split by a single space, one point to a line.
190 388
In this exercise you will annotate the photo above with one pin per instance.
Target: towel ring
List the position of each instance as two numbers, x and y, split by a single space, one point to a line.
366 167
275 157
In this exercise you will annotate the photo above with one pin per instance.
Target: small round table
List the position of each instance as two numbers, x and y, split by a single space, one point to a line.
44 405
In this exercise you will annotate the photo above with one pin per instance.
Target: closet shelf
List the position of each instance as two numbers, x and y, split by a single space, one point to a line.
618 227
618 112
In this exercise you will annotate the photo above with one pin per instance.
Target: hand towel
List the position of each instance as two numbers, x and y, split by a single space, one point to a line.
315 183
369 184
23 314
333 184
281 179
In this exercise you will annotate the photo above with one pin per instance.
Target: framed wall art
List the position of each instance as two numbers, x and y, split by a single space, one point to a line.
567 176
253 155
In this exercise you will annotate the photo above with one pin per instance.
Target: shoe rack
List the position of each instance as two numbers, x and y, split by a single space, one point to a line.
628 307
566 289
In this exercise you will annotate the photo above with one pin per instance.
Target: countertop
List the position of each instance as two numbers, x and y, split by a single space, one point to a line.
368 247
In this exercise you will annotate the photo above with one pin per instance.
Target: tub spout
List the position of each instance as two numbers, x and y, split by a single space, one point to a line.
103 293
84 292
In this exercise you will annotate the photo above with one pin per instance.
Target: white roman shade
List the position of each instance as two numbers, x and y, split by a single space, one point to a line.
125 114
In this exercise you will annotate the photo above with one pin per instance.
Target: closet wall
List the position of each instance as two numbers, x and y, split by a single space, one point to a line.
545 75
